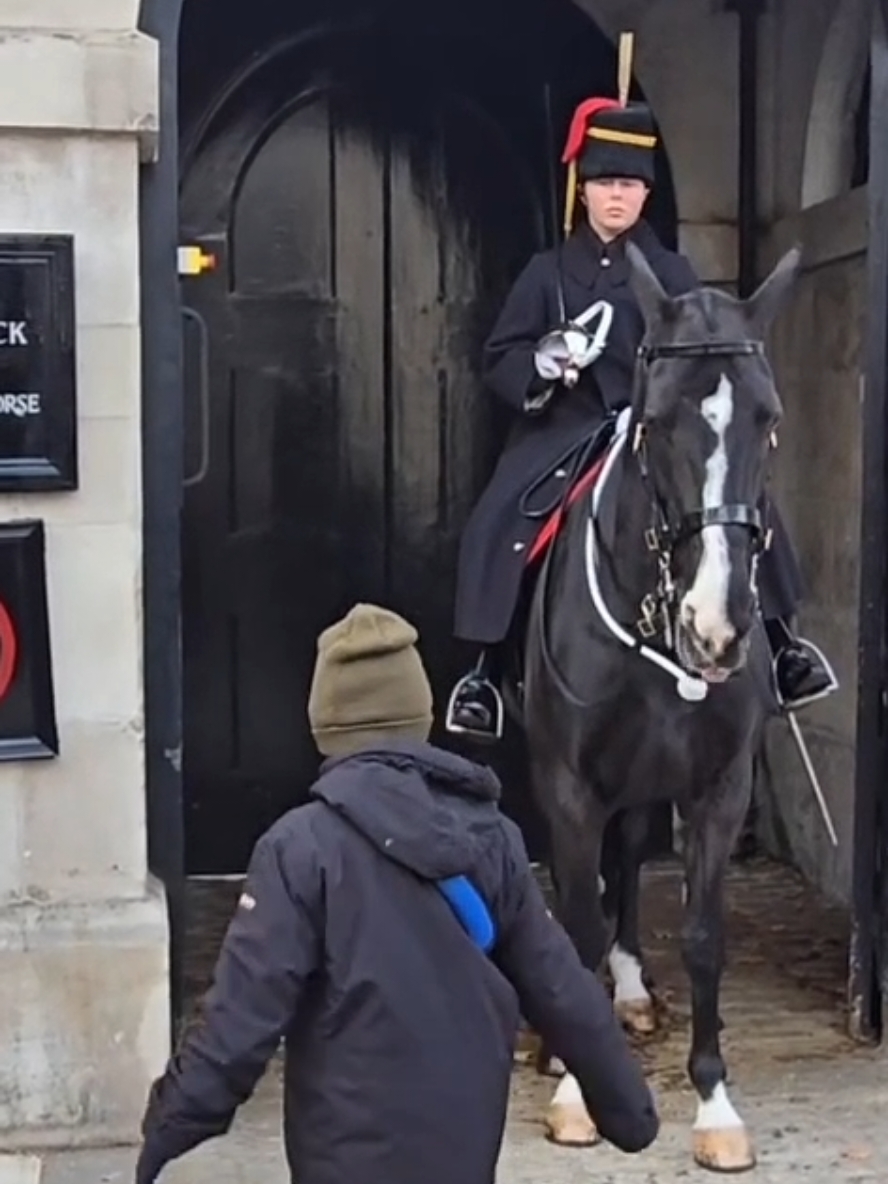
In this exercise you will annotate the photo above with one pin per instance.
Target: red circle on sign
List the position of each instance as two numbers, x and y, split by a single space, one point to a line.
8 650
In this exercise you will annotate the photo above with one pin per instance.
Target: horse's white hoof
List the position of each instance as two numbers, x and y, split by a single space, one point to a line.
637 1016
727 1150
568 1125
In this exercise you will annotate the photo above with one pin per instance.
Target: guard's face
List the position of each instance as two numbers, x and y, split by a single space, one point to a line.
614 204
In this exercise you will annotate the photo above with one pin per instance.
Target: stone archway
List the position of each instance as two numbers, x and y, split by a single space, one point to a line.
841 74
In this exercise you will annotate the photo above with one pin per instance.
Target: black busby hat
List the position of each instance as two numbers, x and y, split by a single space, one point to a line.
610 138
620 142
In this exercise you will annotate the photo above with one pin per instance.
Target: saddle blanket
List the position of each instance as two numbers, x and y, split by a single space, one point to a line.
549 530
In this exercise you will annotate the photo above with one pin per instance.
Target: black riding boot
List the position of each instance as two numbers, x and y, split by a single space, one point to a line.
801 671
476 704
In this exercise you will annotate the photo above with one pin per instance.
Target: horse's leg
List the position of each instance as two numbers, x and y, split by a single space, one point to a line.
720 1139
632 1000
547 1064
576 855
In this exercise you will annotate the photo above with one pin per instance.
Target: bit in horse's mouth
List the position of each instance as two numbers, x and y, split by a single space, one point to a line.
716 674
690 659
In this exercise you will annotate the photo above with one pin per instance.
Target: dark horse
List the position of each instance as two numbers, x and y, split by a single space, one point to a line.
645 676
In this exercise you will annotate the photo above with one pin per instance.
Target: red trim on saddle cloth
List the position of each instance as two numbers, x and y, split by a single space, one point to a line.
549 531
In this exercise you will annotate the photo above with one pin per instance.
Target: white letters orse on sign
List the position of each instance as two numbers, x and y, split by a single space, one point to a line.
20 405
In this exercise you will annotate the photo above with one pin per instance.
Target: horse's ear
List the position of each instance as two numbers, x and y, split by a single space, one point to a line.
649 292
764 304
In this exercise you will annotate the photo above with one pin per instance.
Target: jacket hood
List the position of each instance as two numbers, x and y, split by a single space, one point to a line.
427 809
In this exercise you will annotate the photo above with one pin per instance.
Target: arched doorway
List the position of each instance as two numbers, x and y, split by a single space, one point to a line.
370 180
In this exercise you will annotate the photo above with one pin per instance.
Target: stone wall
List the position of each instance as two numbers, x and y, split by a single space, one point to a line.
83 937
816 351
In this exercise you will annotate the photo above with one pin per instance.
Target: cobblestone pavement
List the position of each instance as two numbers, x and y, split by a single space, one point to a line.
816 1104
821 1126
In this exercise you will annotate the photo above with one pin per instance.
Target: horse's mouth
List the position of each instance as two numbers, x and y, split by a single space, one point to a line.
694 662
715 673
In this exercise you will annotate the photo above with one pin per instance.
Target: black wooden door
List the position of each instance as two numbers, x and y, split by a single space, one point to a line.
366 222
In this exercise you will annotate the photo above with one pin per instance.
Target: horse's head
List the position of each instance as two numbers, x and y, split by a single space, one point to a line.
706 409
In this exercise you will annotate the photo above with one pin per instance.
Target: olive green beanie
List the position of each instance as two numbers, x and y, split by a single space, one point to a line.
369 685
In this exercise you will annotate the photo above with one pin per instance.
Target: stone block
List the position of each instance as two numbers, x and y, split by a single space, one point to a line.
108 372
712 249
96 621
85 186
20 1169
82 817
83 996
102 82
69 14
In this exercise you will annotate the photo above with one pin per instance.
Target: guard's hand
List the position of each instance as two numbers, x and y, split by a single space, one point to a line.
584 349
549 366
552 357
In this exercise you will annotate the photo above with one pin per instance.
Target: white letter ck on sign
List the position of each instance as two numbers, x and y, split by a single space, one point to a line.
13 333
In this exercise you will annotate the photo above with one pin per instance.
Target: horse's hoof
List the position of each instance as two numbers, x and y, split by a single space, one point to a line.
568 1125
726 1150
637 1016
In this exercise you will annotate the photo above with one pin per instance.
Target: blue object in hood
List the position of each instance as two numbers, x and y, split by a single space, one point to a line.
471 911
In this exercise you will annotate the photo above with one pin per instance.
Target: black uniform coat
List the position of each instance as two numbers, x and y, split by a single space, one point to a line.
494 544
399 1030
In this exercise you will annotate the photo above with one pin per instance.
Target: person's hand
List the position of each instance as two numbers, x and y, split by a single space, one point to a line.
557 354
563 353
552 357
585 349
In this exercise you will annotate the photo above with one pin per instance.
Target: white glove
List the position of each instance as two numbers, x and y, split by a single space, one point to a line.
552 357
548 367
563 353
584 349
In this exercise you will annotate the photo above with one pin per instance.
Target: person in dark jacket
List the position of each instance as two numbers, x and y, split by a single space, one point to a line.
391 932
559 402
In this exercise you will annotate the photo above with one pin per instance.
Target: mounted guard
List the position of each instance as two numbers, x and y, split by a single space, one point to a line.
562 355
635 483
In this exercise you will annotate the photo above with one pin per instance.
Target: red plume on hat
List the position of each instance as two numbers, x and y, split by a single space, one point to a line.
576 140
579 125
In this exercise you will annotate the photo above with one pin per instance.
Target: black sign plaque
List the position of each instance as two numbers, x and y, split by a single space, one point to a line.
28 728
38 413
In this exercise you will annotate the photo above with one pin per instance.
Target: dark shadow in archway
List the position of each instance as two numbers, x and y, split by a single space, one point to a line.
551 46
521 66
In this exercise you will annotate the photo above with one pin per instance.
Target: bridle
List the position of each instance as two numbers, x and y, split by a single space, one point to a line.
664 536
657 609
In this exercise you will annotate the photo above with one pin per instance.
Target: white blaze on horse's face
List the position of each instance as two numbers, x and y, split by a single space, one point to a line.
704 608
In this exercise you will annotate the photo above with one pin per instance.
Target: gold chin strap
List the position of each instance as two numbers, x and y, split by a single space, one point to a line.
570 197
